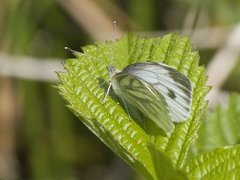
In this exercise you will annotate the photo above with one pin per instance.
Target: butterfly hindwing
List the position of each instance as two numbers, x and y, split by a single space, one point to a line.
144 97
175 88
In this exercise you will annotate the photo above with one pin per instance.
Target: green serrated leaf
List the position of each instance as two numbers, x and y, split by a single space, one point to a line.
163 167
220 127
84 85
221 163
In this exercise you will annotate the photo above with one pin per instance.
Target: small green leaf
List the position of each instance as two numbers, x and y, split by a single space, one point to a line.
220 127
84 85
164 169
222 163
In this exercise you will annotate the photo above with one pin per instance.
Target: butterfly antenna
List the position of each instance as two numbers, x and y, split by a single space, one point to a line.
114 30
111 57
114 26
71 50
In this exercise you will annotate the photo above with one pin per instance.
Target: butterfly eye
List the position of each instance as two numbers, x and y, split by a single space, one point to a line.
111 69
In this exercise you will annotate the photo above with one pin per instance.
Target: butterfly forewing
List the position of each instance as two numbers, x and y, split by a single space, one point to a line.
175 88
143 96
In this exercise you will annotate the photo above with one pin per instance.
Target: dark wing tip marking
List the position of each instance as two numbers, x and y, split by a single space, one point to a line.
171 94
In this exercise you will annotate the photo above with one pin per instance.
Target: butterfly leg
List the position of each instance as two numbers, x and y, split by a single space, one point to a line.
102 83
125 105
109 87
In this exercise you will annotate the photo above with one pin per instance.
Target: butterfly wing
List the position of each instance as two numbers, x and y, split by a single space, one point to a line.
175 88
144 97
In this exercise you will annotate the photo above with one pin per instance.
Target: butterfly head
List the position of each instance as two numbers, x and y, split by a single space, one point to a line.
112 71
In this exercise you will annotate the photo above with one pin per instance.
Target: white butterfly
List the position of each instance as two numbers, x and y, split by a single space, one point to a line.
162 93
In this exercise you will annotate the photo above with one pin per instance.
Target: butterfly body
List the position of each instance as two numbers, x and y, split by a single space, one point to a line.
162 93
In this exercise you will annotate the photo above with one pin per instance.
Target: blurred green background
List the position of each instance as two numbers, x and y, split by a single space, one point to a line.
39 137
